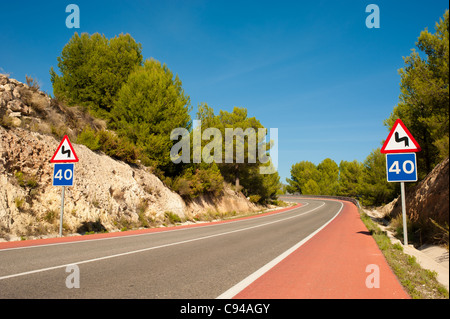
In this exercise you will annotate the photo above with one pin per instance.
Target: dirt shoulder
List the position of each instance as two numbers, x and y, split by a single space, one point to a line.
433 258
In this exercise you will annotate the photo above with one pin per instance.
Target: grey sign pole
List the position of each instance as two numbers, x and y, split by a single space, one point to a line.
62 211
405 228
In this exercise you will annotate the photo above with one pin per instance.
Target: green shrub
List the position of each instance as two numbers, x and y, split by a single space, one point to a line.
26 180
182 186
119 148
89 138
50 216
144 220
172 217
6 121
202 180
279 202
19 201
112 145
255 199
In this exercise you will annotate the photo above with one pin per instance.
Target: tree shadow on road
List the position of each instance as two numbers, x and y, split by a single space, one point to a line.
368 233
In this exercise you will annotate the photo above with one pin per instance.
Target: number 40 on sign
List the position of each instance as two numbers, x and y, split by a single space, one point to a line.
401 167
63 174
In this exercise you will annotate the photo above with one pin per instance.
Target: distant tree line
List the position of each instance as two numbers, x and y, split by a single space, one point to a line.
365 181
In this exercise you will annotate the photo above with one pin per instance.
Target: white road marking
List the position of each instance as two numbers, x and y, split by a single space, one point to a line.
233 291
155 247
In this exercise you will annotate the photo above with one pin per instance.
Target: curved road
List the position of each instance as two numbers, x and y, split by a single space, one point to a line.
204 261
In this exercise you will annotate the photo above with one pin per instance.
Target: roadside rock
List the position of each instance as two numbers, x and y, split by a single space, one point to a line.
104 189
425 201
429 199
229 202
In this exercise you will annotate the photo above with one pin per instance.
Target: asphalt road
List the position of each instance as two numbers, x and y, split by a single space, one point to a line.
197 262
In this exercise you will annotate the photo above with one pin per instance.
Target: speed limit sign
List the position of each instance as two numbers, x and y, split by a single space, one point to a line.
63 174
401 167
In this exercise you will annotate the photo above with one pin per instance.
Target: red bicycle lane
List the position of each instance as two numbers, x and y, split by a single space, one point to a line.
342 261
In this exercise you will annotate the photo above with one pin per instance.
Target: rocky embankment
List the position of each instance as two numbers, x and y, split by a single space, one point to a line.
426 201
429 199
107 194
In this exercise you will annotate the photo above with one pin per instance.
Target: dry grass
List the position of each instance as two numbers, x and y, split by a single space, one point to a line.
419 283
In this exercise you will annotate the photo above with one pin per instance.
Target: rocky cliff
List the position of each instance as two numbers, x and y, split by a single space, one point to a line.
107 194
425 201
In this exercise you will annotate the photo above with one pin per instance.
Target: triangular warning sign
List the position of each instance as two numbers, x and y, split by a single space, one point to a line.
400 140
65 152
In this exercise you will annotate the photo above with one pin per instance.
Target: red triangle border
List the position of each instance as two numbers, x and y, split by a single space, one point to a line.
400 122
71 148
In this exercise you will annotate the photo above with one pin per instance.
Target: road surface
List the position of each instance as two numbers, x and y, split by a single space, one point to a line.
201 261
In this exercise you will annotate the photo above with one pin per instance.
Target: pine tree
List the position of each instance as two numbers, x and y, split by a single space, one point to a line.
424 98
93 69
149 106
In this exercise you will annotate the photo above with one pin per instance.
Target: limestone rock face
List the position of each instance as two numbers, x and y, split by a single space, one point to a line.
426 202
104 190
429 198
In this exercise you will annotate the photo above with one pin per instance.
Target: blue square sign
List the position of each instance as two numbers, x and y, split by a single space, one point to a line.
401 167
63 174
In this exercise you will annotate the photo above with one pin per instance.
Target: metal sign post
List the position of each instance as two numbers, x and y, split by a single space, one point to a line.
402 168
63 176
62 211
405 228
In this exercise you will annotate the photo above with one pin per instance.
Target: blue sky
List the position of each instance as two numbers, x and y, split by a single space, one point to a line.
312 69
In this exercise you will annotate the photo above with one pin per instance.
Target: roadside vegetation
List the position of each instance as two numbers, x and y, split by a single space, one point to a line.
418 282
142 101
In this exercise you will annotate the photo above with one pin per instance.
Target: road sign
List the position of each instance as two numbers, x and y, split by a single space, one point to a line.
401 164
65 152
401 167
63 174
400 140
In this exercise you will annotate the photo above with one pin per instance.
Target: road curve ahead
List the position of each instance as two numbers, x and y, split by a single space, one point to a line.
205 261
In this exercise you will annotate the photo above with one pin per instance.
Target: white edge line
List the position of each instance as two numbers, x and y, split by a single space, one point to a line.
233 291
155 247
